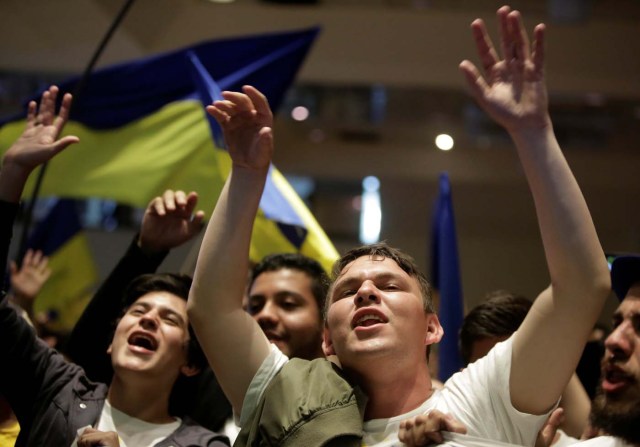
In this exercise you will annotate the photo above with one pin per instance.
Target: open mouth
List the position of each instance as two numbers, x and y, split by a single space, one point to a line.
143 341
615 379
367 318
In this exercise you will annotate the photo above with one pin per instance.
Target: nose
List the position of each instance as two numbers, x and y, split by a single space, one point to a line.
268 315
367 294
149 320
619 343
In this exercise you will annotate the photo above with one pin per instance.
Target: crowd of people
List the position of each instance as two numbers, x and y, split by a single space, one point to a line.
295 357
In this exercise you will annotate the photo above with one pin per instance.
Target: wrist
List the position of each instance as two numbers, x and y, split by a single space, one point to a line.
12 180
147 248
25 302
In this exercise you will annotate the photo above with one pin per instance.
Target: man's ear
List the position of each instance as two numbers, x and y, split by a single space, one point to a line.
327 344
189 370
434 330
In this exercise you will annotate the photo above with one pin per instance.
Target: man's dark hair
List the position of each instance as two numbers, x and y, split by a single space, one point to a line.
382 251
499 316
295 261
175 284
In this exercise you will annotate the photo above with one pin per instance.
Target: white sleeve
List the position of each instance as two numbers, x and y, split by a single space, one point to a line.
479 397
269 368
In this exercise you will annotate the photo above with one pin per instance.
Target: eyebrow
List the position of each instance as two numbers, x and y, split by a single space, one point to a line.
354 280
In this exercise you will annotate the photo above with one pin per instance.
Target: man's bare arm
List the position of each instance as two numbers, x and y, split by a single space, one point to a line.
512 91
233 342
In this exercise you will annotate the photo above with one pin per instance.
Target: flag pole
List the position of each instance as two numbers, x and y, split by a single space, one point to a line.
80 86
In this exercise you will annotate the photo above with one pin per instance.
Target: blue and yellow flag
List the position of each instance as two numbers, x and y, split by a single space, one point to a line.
143 130
446 279
74 275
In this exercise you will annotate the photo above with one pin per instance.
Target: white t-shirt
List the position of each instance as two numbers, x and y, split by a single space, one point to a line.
603 441
131 431
478 397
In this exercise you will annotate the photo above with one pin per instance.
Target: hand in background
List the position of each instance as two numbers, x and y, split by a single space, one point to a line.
170 221
27 281
38 143
247 122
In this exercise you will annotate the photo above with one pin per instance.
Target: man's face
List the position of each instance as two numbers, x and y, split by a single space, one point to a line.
152 337
376 309
616 407
283 304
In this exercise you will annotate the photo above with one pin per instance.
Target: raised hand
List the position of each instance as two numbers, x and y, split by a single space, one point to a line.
27 281
170 221
512 90
426 429
38 143
247 122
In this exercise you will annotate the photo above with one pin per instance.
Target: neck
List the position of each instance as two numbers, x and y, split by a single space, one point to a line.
392 390
142 400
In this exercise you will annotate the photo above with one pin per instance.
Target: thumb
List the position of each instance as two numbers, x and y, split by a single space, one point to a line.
63 142
266 139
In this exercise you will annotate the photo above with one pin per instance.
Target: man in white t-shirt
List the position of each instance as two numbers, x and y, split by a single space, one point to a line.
616 406
379 321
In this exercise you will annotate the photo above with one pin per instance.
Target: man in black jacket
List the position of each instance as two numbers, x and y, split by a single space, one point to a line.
55 402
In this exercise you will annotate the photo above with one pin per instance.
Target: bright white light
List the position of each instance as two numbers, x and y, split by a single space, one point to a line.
444 142
371 212
371 183
300 113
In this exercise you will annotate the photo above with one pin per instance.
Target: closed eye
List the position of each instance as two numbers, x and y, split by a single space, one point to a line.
346 293
172 321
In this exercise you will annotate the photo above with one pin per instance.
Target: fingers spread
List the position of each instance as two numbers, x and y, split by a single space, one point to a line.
63 114
537 55
31 113
505 34
519 36
474 79
484 45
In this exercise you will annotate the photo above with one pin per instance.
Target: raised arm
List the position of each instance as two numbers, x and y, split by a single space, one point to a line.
233 342
548 345
26 378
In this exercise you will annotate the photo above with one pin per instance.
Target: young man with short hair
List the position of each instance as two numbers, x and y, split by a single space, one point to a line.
378 321
54 401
